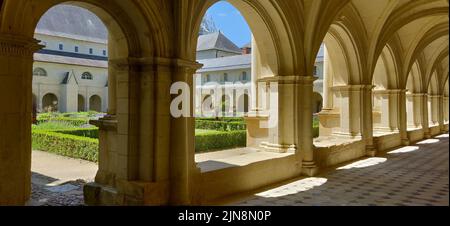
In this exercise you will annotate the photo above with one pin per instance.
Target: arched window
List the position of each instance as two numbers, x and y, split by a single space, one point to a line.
87 76
39 72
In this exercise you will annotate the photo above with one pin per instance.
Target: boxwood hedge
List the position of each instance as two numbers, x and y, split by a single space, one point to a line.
66 145
220 125
217 140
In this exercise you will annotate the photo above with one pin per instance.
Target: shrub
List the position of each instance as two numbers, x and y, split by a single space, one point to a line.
71 121
216 140
219 125
66 145
49 126
86 132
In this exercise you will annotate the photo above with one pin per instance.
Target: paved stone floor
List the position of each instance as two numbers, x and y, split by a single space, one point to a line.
416 175
58 180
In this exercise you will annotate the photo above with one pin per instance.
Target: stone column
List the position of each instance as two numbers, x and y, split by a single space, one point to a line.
425 118
183 169
281 112
254 76
441 113
415 108
390 100
304 131
446 109
327 82
16 66
434 107
403 120
367 120
350 100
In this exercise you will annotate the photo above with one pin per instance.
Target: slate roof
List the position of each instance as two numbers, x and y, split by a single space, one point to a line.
72 20
70 60
226 63
216 41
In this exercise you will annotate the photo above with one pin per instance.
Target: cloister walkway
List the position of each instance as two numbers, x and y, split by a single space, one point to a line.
409 176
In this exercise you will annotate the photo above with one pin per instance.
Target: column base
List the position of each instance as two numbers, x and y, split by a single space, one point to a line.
127 193
371 151
278 148
309 169
406 142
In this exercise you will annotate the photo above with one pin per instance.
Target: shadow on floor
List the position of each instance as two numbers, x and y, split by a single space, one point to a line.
415 175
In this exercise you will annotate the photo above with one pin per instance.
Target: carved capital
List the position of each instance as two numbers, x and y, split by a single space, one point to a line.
18 46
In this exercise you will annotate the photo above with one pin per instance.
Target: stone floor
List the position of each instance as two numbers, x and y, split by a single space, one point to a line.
413 175
416 175
58 181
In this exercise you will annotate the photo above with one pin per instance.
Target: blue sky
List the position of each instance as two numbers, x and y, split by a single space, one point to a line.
230 22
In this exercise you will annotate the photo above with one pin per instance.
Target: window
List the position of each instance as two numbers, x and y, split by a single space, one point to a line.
244 76
61 47
225 77
91 51
87 76
104 52
39 72
208 78
77 49
315 70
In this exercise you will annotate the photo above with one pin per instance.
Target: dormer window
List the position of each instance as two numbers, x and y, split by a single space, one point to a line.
39 72
61 47
87 76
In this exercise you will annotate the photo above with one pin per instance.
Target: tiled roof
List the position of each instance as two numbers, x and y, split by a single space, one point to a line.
216 41
72 21
226 63
69 60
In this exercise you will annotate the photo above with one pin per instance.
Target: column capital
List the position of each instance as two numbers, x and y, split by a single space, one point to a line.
17 45
352 88
390 91
290 79
436 96
417 94
122 63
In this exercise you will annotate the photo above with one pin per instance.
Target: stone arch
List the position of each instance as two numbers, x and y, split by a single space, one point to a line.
81 103
346 60
128 24
50 103
386 73
278 56
414 80
95 103
243 103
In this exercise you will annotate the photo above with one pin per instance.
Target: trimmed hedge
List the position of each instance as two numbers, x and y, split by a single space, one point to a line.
226 119
71 121
220 125
66 145
88 132
217 140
